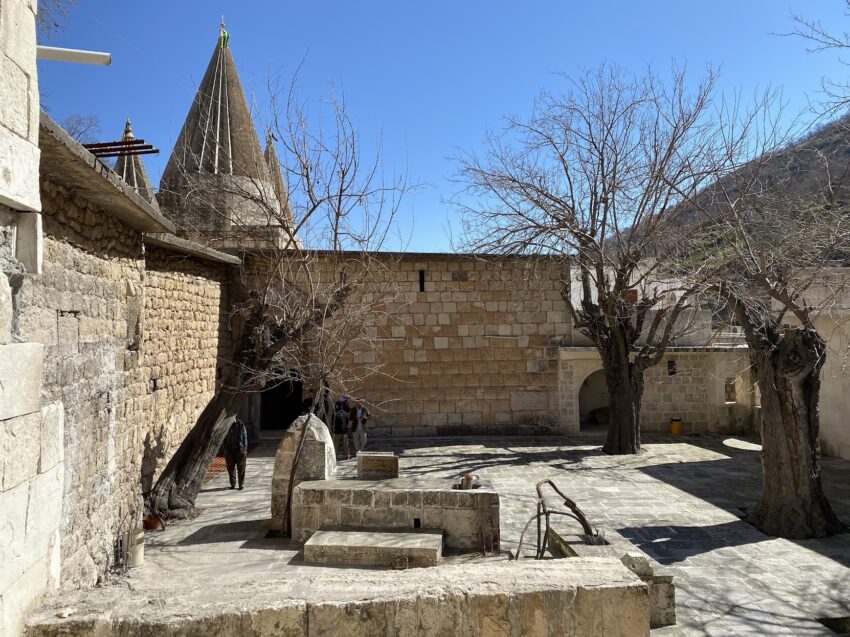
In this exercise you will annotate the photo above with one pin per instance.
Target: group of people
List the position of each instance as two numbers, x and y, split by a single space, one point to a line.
349 419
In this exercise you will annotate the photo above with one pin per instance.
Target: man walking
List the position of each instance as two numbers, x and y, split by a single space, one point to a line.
341 429
236 452
358 417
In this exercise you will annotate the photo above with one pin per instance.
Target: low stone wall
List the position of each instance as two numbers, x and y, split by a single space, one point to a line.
469 518
496 598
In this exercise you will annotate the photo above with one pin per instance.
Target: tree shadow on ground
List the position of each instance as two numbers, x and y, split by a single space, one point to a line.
734 484
675 543
228 532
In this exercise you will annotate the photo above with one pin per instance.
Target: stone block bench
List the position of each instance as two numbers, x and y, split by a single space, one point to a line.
376 465
359 547
470 518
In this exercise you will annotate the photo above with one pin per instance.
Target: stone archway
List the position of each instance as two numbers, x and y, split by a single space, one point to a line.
593 402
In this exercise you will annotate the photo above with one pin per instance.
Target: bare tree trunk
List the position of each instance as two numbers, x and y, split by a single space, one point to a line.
625 391
174 493
792 504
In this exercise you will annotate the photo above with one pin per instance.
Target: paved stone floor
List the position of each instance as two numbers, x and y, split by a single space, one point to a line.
679 501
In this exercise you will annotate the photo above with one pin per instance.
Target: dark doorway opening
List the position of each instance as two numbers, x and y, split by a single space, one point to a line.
280 405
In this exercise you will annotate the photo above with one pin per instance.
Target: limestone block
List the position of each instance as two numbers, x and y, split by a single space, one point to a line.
373 465
662 601
20 379
371 548
17 600
5 311
44 513
52 436
17 35
14 107
19 175
13 504
20 450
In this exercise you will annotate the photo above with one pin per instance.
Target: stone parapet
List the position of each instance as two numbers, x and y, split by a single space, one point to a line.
576 597
470 518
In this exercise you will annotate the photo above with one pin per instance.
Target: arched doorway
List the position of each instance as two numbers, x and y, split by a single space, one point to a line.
593 403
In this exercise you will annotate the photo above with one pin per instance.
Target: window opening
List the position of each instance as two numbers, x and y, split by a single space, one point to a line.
730 391
671 367
421 280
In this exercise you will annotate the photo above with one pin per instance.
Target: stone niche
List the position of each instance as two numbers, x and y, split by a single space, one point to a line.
318 460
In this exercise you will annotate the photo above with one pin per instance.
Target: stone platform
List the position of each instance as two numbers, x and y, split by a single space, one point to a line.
470 518
366 547
376 465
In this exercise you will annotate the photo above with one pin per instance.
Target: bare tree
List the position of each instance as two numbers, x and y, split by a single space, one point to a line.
84 128
51 15
822 39
300 302
593 177
768 236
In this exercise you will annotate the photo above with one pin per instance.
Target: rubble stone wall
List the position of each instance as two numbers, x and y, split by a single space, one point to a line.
186 334
131 338
85 310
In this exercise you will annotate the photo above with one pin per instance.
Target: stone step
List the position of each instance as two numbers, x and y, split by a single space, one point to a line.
383 547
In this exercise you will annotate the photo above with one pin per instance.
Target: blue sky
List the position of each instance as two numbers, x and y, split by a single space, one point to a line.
429 78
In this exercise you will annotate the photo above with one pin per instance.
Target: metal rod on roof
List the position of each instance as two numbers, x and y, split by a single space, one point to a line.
122 143
73 55
129 153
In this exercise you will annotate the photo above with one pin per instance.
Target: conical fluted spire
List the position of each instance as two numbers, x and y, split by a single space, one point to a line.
217 186
131 169
218 136
278 183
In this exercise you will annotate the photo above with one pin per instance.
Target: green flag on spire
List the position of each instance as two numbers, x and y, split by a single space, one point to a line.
223 36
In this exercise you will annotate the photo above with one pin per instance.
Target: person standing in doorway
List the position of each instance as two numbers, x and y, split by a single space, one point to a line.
358 417
340 420
236 452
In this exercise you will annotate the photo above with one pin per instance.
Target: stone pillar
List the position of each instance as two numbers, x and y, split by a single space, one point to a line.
31 436
318 460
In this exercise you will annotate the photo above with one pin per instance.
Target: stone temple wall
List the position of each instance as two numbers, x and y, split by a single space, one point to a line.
475 351
130 337
696 392
185 333
86 310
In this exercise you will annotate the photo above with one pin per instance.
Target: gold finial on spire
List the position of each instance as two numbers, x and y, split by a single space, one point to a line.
223 35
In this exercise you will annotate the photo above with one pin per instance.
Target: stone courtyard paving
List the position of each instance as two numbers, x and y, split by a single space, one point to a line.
678 501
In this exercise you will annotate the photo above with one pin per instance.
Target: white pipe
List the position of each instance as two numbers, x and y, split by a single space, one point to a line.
73 55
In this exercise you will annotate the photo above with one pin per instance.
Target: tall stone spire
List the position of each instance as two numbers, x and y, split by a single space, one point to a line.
278 183
217 184
131 169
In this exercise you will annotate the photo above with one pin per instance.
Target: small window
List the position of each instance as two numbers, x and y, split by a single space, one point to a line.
417 523
671 367
421 280
730 391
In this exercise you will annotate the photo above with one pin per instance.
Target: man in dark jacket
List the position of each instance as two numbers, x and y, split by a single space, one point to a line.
236 452
341 430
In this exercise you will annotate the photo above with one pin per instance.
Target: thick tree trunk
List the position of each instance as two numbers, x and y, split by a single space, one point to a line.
174 493
625 391
787 363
